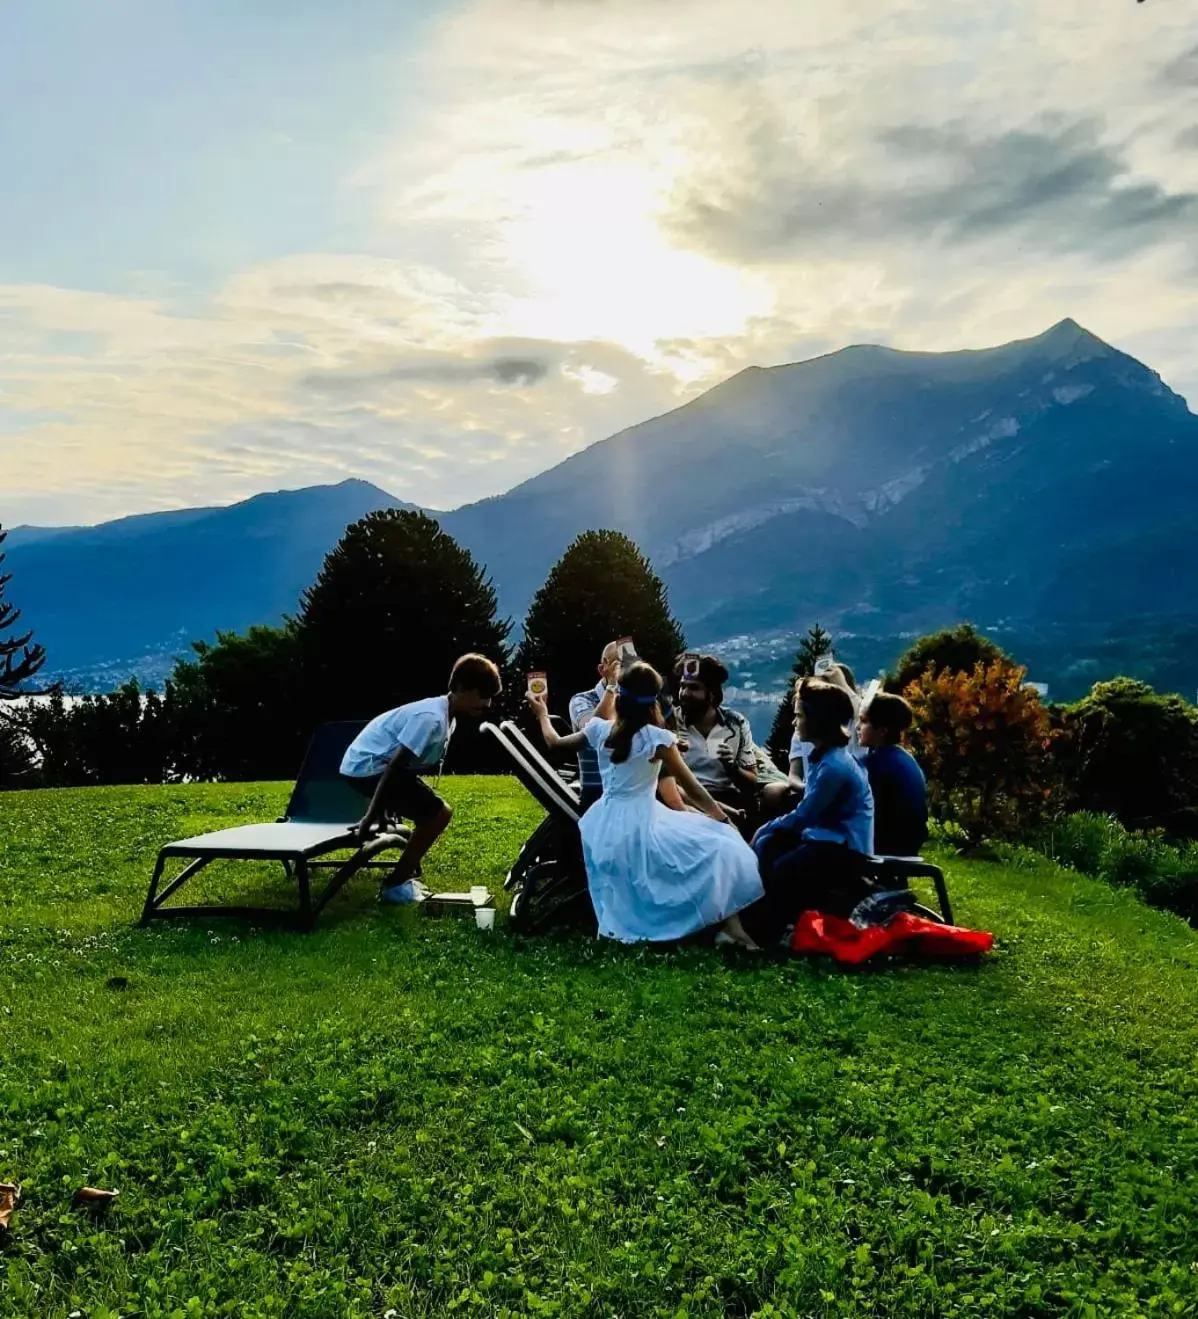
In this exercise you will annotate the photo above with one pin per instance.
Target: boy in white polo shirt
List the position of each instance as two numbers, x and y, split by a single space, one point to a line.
384 760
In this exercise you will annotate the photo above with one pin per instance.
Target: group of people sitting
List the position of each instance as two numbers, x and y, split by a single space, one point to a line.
686 824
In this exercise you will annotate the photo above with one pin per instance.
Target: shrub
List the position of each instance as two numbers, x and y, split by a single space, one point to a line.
1163 875
1080 841
121 737
958 649
1132 753
1134 860
983 739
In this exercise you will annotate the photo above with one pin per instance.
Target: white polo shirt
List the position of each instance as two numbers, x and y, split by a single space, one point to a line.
421 727
702 754
800 750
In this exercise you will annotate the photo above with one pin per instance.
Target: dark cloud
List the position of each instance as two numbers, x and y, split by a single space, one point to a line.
1183 71
522 371
1057 186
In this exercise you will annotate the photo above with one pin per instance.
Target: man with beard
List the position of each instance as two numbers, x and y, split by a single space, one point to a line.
716 742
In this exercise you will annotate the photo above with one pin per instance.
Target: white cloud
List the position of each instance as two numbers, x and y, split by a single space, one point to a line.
602 208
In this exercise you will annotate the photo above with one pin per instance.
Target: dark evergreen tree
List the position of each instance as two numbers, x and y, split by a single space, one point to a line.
237 710
395 603
20 657
817 642
601 589
958 649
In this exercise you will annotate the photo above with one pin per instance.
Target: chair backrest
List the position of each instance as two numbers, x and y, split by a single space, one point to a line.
553 795
321 795
538 761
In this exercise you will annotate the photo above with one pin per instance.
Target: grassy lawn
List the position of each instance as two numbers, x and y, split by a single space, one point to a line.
402 1114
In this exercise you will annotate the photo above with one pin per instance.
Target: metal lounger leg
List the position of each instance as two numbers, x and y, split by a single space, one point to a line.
306 915
154 900
946 909
152 891
361 860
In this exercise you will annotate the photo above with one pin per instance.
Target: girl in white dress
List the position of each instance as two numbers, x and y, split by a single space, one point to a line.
655 873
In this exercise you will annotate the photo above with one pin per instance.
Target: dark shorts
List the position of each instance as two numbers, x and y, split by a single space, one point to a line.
408 796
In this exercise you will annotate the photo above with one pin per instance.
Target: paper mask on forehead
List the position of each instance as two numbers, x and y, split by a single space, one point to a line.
690 666
824 664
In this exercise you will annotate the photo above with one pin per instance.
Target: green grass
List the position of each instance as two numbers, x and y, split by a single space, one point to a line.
401 1114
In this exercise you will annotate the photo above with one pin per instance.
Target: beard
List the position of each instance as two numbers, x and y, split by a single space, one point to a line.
692 709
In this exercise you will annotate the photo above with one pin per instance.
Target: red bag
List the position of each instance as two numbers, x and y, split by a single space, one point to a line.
817 932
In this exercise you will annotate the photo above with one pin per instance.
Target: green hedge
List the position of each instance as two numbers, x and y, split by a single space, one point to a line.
1164 874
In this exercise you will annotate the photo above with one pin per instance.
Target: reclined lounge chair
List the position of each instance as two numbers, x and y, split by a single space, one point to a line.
322 810
559 798
548 880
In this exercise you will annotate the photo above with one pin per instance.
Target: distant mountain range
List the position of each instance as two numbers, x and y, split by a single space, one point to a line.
126 595
1047 486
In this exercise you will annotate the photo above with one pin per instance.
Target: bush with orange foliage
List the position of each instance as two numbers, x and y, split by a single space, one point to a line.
984 741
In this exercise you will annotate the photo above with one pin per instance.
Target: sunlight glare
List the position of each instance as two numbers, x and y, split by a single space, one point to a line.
596 264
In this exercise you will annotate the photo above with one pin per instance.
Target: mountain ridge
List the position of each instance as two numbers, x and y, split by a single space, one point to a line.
871 487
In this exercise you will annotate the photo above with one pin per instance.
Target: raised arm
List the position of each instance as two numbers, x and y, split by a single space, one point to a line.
553 739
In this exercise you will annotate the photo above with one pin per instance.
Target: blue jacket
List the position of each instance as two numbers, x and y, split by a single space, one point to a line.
838 806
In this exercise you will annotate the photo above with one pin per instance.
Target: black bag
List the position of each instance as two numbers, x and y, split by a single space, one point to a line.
549 881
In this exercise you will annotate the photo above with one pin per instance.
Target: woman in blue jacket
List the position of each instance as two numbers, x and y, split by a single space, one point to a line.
805 856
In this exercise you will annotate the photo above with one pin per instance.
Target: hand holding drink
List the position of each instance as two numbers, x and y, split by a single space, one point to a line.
538 693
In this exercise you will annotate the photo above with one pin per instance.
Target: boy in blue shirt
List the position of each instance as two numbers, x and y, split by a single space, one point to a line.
813 853
384 761
898 784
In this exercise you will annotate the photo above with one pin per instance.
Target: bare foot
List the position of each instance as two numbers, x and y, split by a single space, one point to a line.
734 932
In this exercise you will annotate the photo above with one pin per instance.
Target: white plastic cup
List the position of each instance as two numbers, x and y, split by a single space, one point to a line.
484 918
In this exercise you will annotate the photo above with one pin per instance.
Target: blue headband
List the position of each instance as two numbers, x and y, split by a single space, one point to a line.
625 695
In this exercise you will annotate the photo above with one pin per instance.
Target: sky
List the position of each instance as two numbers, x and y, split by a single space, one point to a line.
247 247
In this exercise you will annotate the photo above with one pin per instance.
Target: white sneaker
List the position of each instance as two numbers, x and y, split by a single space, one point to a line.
402 895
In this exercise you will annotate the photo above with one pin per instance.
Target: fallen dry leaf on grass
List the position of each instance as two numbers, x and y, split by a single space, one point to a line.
91 1197
10 1193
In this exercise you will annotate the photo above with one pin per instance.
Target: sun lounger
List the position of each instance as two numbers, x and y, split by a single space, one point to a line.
320 814
553 776
548 880
535 772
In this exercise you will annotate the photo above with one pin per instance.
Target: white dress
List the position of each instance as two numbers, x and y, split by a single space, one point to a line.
655 873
